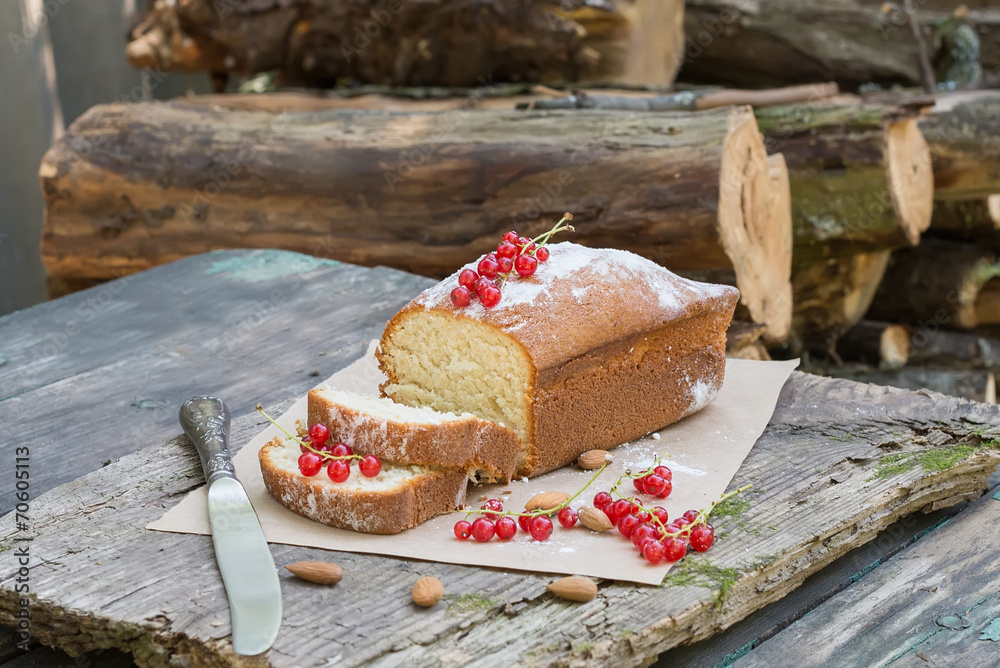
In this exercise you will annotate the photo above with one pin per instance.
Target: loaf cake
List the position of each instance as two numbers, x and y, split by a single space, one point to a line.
597 348
401 496
392 431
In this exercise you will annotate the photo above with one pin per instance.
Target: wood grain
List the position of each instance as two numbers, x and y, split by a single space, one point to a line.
93 585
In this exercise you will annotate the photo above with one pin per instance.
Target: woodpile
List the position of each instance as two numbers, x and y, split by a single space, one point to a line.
863 230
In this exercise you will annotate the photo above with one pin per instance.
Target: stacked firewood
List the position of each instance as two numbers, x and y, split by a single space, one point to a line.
861 229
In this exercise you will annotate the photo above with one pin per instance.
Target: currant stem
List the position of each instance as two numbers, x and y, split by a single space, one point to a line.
308 445
537 511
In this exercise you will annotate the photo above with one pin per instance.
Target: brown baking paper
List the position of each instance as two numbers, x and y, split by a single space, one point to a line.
705 450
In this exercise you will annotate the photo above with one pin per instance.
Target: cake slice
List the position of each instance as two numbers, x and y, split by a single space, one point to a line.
399 433
401 496
596 348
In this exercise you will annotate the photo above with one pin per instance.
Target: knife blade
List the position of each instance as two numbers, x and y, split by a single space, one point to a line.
244 559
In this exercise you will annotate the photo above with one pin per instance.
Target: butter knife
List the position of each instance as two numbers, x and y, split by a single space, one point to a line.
248 570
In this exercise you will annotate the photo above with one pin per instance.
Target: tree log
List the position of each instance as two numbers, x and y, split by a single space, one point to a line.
963 132
831 297
132 186
433 42
778 42
976 221
956 350
939 284
860 176
872 342
971 384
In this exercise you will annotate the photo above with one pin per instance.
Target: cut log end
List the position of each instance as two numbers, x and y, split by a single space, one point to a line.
755 224
911 179
894 346
993 210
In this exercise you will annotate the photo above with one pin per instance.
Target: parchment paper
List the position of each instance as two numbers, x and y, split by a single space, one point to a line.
706 449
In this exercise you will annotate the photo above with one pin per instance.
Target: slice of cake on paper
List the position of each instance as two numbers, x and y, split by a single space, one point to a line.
401 496
392 431
597 348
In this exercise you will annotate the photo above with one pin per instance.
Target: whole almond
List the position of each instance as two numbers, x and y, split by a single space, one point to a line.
319 572
546 500
574 588
594 519
427 591
594 459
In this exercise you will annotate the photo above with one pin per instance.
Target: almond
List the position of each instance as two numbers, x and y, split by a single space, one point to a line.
594 459
546 500
427 591
594 519
574 588
319 572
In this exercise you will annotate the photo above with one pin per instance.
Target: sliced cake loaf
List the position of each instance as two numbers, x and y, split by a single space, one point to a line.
399 433
400 497
597 348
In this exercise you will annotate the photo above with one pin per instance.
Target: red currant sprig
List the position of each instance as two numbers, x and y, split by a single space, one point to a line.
514 254
538 523
318 452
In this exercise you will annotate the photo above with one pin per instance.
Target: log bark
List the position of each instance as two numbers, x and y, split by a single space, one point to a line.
860 176
882 344
776 42
939 284
971 384
976 221
132 186
963 132
957 350
433 42
832 296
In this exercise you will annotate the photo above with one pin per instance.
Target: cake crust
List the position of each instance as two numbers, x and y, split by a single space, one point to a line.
413 500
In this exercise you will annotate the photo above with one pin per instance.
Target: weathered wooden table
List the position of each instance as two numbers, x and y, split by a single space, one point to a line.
90 385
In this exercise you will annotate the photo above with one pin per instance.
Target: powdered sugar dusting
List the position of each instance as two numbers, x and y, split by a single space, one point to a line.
567 259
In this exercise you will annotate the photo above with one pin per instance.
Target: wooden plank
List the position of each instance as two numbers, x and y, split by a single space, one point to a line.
839 462
925 608
248 325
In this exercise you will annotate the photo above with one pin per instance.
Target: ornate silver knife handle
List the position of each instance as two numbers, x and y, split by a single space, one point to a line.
205 420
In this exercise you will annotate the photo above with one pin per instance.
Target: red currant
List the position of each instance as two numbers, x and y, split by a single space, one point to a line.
319 433
641 533
664 472
338 470
660 513
667 488
468 278
567 517
461 296
672 529
304 449
626 524
702 537
310 464
674 549
682 521
483 529
462 529
540 528
492 505
618 510
370 466
505 265
488 266
643 516
323 447
511 237
690 515
490 296
542 253
654 551
342 450
506 528
655 485
506 249
639 483
524 521
525 265
602 499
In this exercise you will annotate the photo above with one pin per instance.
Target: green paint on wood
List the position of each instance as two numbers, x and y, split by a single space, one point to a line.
992 632
267 265
997 496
